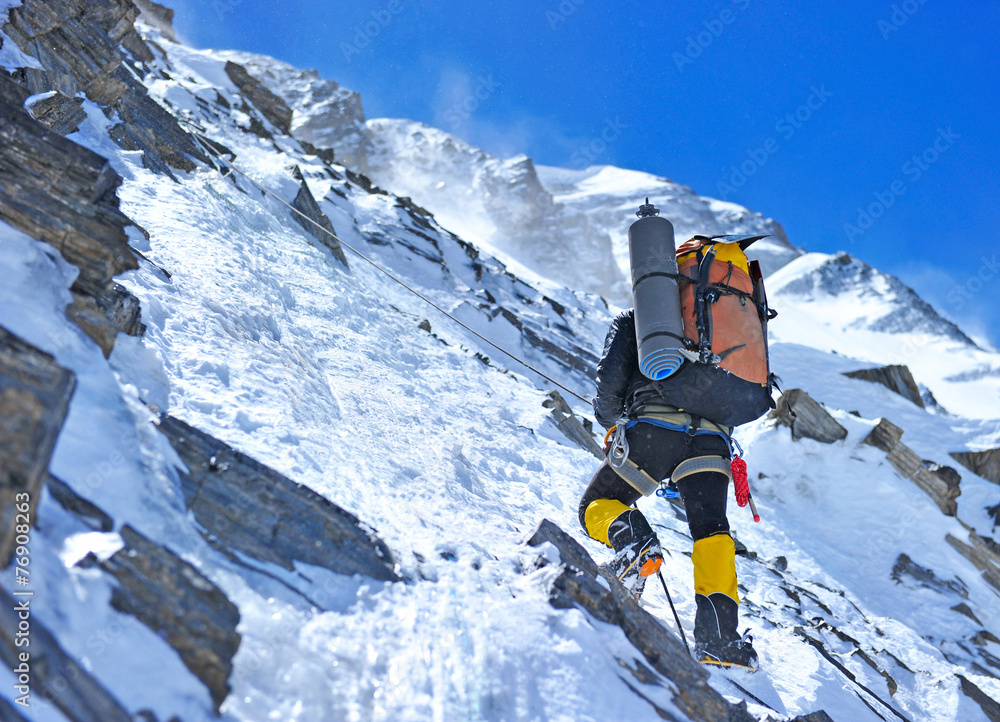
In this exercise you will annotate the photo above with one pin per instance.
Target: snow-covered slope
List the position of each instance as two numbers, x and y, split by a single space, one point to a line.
567 225
260 337
840 304
498 204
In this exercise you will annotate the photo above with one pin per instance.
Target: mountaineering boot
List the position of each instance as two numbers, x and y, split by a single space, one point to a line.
637 550
716 639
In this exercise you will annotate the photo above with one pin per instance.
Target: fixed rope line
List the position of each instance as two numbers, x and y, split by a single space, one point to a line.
218 154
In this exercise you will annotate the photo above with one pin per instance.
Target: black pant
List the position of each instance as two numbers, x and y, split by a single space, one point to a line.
658 451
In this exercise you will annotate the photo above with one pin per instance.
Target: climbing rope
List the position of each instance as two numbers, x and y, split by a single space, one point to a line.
232 167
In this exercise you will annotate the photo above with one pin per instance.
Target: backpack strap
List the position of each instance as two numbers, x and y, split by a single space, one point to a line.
703 307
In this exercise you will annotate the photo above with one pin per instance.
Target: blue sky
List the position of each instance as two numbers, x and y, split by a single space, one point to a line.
871 127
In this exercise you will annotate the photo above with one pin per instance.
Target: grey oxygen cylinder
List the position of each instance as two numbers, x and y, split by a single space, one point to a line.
659 327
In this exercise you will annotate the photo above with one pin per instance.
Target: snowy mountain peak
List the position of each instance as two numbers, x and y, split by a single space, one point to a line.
609 196
840 304
866 298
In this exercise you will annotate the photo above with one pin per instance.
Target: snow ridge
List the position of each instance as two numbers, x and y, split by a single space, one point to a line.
842 274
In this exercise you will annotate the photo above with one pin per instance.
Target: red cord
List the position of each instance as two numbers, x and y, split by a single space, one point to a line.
741 486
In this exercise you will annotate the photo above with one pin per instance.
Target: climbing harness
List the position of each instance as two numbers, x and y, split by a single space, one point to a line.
618 460
617 450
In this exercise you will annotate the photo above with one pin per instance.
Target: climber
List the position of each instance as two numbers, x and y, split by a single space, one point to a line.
607 508
686 447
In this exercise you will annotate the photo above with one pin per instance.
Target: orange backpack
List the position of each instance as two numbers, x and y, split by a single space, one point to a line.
725 314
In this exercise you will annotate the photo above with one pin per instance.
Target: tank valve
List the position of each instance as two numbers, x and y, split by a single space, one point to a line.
647 210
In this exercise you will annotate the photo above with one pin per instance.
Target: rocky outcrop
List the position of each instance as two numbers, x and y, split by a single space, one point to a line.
983 553
905 570
53 674
148 128
325 115
582 584
167 594
105 315
34 399
77 42
63 194
88 513
335 118
270 105
251 509
82 46
984 463
579 431
987 704
947 473
179 604
577 359
806 418
895 378
542 234
315 221
327 155
884 436
58 112
943 488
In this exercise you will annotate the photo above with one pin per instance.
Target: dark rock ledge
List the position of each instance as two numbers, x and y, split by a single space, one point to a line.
584 585
34 399
806 418
984 463
250 508
896 378
941 483
179 604
92 46
61 193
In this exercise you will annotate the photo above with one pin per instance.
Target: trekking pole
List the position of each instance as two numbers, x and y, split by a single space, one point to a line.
672 609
